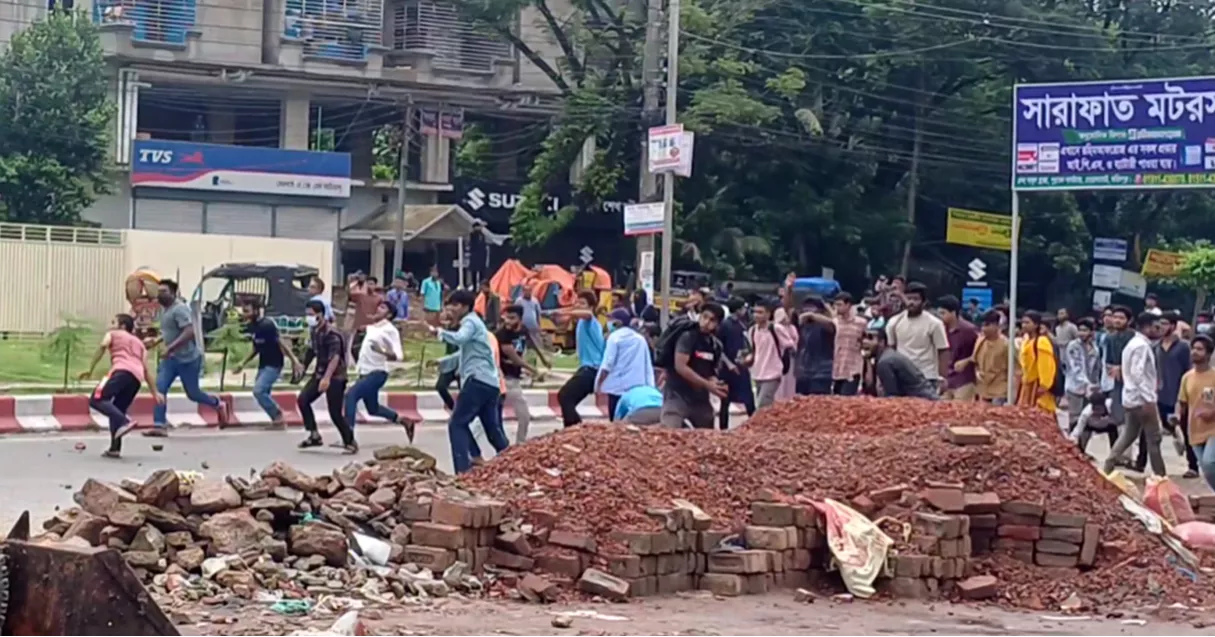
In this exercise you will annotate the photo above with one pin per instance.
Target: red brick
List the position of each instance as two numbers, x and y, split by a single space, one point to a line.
978 587
1088 549
433 558
459 513
724 584
570 539
708 540
951 548
414 510
664 542
983 521
672 563
912 565
514 542
1019 532
988 502
674 583
935 525
801 560
563 564
1012 544
757 584
968 436
771 514
626 566
811 538
1071 520
1019 520
945 500
889 495
1023 508
596 582
501 558
766 537
537 588
1063 534
441 535
776 561
926 544
1055 547
1052 560
649 565
638 542
863 505
643 586
906 587
738 562
806 516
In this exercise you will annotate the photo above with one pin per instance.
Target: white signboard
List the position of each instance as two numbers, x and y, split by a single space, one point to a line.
646 274
643 218
1133 284
670 150
1107 276
1105 249
1102 299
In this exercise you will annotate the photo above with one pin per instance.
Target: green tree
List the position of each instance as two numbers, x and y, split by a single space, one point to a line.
54 121
1198 274
65 341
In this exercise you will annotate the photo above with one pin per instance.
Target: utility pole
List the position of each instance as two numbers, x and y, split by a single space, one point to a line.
398 244
668 179
650 112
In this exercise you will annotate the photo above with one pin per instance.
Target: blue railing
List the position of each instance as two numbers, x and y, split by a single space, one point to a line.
157 21
341 30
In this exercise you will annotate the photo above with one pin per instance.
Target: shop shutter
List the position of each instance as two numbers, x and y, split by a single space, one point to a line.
169 215
246 219
306 222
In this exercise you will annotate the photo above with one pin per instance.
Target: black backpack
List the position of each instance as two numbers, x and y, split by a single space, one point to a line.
665 348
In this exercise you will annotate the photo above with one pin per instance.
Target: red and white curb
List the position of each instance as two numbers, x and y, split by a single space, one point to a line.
71 412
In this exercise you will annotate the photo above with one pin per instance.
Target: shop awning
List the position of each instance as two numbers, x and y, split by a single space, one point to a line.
444 222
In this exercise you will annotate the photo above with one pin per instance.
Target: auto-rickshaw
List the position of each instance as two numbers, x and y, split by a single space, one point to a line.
281 287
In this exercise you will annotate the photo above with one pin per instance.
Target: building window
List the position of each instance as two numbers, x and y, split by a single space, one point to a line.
335 29
437 28
160 21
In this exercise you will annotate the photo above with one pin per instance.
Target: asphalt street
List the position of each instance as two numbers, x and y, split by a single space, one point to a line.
40 473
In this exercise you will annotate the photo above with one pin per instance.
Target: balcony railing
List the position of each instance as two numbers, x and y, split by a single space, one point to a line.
438 28
155 21
335 29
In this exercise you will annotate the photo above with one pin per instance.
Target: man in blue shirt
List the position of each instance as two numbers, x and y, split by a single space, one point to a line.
627 362
432 296
398 297
479 382
641 405
181 358
531 313
588 338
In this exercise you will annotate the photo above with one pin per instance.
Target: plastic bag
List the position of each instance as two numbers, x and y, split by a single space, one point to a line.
1197 535
1162 496
1124 485
859 546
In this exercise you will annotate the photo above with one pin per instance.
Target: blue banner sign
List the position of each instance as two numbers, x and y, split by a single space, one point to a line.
1127 134
252 169
982 295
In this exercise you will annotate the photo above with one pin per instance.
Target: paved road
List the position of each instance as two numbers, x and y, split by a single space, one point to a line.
40 473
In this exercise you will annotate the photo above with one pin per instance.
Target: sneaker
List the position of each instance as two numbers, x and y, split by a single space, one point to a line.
158 431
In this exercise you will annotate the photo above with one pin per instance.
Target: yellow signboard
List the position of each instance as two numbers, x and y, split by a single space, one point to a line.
979 229
1159 263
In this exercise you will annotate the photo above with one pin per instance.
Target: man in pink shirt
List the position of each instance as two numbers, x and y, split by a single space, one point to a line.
847 363
772 354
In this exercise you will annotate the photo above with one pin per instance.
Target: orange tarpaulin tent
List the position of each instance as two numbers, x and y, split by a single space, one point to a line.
551 284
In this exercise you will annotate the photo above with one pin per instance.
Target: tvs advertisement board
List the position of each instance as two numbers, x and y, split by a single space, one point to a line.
1127 134
249 169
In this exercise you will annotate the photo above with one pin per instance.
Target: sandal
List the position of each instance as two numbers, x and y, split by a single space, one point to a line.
351 448
111 453
311 441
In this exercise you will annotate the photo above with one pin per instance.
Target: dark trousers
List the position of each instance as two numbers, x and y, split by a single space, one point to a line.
481 401
1087 434
613 402
577 388
846 387
814 386
1191 460
333 400
747 398
443 386
113 398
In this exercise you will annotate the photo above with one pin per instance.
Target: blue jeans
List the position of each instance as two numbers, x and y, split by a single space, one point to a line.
1206 461
262 384
367 389
476 400
190 372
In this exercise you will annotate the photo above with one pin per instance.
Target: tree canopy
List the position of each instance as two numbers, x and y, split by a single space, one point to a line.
836 132
54 121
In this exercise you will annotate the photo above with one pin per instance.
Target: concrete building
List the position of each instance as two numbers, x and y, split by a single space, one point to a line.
282 117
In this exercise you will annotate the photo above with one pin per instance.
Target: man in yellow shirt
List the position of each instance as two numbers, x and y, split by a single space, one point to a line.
1197 402
991 361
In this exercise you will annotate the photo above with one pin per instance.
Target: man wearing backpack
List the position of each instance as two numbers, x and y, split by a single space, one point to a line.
772 351
692 354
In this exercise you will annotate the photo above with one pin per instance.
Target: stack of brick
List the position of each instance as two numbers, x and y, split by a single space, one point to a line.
941 549
983 510
1046 538
455 530
1204 507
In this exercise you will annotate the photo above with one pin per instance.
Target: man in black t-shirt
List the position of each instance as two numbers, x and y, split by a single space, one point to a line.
685 396
270 350
513 341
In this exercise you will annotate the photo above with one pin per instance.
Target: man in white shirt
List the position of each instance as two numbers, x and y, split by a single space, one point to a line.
1139 385
920 336
381 345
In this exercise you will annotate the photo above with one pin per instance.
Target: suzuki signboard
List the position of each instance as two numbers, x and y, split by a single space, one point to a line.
249 169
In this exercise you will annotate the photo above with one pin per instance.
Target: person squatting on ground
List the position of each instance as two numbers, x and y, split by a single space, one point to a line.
1196 402
589 343
328 349
381 345
181 358
117 390
272 353
627 363
513 342
695 359
480 391
772 356
737 357
896 374
1139 392
1093 418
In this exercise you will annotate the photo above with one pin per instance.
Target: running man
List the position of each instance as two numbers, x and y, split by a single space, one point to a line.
328 348
117 390
514 339
590 344
271 352
381 345
180 358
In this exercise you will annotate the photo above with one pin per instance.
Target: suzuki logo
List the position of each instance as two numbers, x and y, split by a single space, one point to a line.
155 156
476 199
977 270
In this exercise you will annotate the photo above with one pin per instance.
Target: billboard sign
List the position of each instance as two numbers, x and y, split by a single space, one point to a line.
643 218
1107 249
1161 263
978 229
1126 134
251 169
